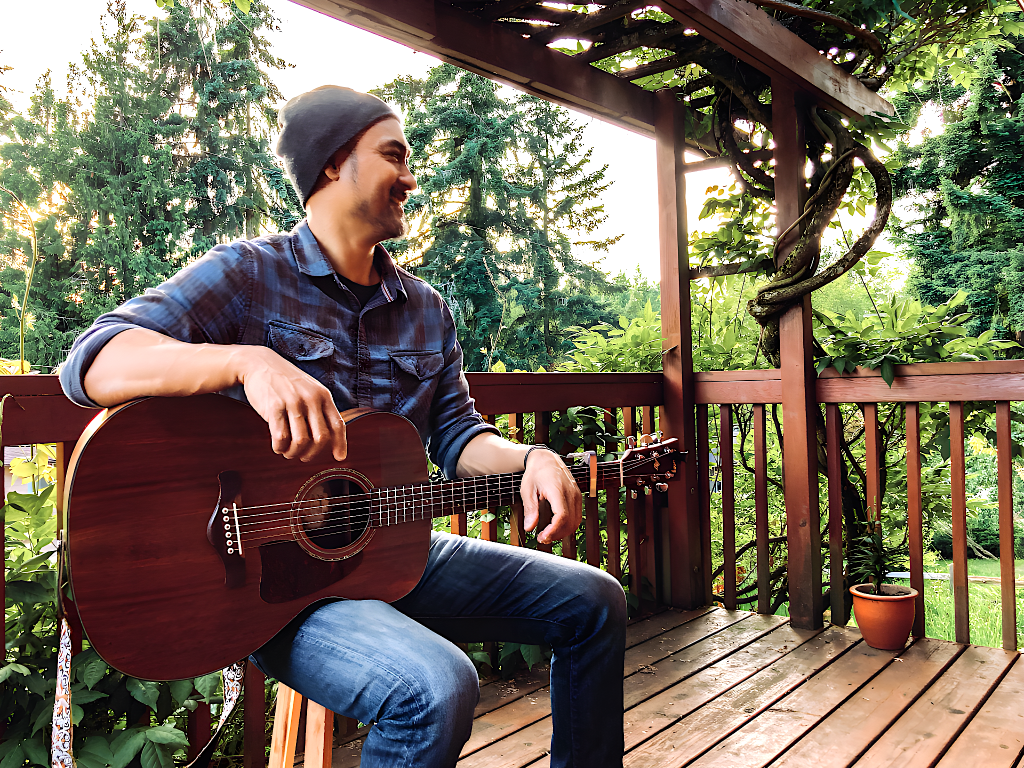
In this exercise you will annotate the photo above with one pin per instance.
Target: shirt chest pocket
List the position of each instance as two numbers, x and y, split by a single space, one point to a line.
307 350
414 377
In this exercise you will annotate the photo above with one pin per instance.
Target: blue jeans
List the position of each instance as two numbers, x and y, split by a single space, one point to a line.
396 665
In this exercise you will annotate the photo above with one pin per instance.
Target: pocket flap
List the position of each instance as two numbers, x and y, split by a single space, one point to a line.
422 365
298 343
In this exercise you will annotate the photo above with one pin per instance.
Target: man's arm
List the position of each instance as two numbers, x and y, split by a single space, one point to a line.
546 479
300 411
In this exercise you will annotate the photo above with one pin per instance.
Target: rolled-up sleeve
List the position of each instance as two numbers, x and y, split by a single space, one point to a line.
207 302
453 417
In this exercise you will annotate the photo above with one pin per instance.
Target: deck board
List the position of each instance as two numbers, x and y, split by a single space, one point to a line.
727 689
841 737
758 742
921 735
995 737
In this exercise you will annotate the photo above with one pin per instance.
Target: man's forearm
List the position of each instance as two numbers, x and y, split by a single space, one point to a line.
141 363
488 454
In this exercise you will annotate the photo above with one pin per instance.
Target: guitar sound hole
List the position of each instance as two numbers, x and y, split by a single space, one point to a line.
335 513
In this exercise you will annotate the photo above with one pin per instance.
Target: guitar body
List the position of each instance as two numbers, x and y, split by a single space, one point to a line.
157 598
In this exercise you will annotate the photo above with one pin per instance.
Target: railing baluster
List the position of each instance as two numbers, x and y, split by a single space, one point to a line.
254 715
489 528
872 457
725 462
650 541
836 584
592 521
197 729
541 436
1007 577
761 509
958 489
915 518
516 432
611 506
634 523
704 489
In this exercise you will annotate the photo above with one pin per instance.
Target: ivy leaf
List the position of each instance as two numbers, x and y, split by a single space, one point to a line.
126 746
181 690
208 685
533 654
167 734
156 755
14 758
143 691
92 671
13 668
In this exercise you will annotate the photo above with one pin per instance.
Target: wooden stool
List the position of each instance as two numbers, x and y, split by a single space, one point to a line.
319 731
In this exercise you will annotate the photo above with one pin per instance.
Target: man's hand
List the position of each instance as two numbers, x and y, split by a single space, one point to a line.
301 413
548 480
304 421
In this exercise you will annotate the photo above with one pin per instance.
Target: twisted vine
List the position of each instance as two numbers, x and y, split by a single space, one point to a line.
798 275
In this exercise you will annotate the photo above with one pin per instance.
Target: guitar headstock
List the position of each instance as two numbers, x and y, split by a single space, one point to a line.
651 464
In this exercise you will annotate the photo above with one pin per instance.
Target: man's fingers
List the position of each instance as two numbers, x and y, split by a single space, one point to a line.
280 434
319 432
338 435
299 433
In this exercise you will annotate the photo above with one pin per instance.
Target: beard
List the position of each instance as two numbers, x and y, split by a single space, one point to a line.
387 224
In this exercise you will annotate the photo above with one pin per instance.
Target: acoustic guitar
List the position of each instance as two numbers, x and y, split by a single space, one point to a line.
191 543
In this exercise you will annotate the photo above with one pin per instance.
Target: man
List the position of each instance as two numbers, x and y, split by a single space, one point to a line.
305 324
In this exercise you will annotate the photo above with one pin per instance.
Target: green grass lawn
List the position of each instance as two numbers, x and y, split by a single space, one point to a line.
984 567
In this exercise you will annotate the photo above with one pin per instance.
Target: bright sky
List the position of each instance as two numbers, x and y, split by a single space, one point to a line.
324 50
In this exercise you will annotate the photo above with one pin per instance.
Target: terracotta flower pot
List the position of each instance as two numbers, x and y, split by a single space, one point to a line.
884 620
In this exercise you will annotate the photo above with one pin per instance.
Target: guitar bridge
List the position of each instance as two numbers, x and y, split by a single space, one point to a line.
224 532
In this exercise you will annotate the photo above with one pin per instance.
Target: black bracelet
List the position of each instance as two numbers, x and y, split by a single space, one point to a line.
531 449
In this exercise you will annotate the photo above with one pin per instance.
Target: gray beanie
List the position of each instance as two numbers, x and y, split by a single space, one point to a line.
316 124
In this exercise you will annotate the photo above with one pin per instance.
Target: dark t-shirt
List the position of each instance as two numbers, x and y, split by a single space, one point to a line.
363 293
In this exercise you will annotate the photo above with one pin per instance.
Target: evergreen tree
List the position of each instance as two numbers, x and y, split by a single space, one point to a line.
504 188
164 154
968 184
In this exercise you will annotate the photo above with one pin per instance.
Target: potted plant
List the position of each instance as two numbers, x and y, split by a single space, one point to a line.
884 611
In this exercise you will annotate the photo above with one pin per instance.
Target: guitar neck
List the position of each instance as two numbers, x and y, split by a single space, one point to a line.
389 506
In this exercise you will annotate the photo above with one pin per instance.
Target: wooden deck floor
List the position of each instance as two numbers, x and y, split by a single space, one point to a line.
733 689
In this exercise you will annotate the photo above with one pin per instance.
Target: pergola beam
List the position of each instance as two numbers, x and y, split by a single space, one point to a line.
754 37
485 48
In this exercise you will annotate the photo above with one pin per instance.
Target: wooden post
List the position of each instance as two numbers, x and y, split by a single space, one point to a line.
915 518
1004 460
958 490
687 587
254 713
799 401
835 512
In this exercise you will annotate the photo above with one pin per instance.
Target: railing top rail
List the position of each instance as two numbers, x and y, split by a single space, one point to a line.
982 381
529 392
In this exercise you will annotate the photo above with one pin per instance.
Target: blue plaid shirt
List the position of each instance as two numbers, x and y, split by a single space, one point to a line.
399 353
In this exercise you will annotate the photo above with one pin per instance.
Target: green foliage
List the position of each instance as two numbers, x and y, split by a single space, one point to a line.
635 346
507 197
903 332
965 189
871 558
161 153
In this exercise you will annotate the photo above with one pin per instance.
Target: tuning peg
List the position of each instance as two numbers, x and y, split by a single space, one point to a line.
663 487
630 441
632 494
647 490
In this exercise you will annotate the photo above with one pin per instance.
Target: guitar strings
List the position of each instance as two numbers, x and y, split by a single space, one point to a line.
389 510
460 486
464 487
405 494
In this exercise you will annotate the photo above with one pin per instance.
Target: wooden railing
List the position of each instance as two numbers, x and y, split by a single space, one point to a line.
528 406
525 405
994 384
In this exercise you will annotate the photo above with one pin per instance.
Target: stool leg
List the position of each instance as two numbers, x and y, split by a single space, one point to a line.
319 736
286 727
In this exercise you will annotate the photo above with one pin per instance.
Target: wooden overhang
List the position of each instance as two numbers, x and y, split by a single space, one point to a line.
502 52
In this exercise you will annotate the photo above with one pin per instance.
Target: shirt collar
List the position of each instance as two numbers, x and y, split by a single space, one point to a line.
311 261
